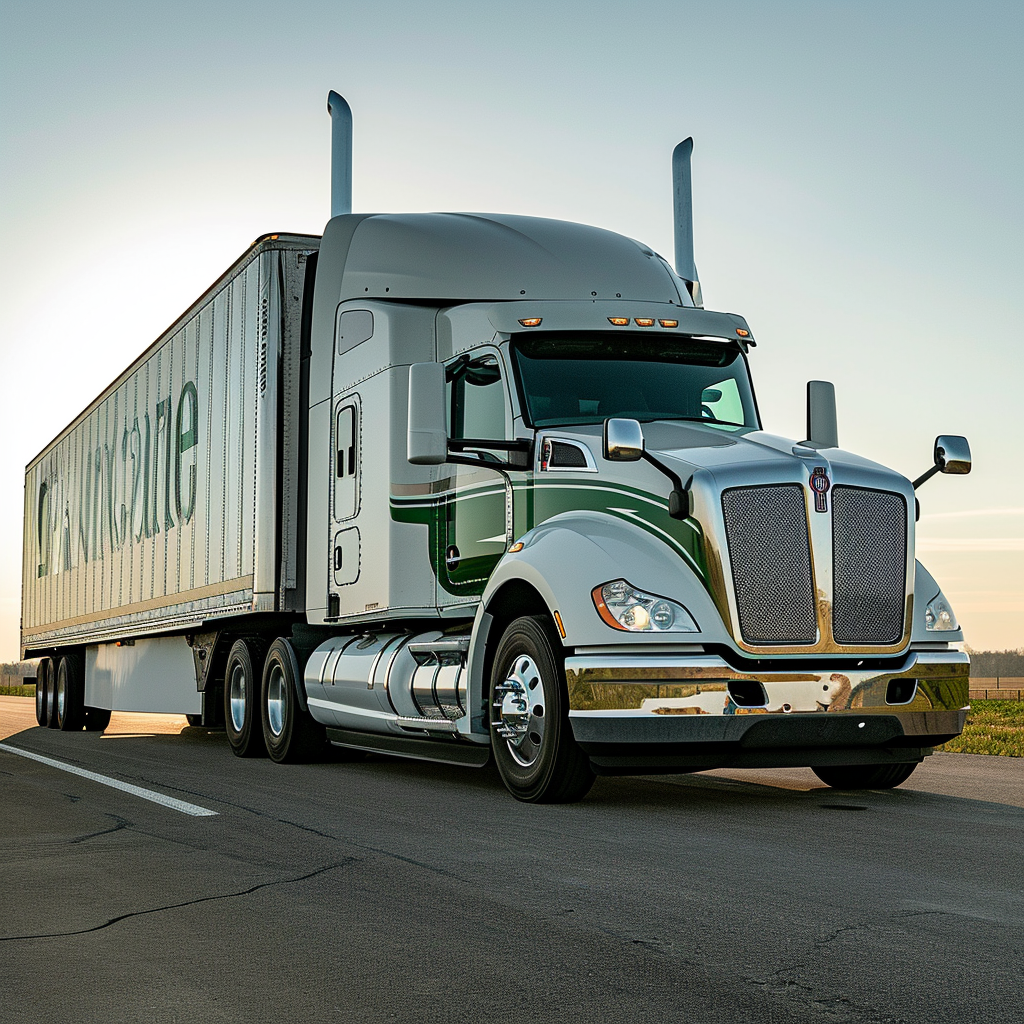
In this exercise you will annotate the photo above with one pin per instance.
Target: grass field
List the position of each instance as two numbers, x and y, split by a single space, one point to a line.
17 691
993 727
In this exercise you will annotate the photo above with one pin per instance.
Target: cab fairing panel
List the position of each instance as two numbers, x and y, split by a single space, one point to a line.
395 577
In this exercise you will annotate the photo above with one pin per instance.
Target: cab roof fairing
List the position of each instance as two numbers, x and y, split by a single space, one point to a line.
465 257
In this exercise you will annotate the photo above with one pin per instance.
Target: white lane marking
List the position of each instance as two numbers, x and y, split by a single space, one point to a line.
147 794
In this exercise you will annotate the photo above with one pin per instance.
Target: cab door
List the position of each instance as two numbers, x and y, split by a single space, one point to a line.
475 514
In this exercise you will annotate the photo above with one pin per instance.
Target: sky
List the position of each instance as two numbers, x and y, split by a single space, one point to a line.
856 177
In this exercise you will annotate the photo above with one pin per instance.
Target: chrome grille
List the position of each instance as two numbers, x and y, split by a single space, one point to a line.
766 530
869 544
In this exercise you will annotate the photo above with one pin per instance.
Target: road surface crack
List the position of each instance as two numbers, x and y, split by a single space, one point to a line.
186 903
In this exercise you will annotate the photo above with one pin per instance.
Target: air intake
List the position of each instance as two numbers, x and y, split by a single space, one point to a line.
766 530
869 543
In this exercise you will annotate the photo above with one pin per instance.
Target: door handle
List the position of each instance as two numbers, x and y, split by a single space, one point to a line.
338 557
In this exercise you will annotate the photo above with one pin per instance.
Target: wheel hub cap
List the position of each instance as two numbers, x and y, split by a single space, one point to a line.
520 705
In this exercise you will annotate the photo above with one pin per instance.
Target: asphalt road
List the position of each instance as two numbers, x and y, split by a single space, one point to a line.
388 890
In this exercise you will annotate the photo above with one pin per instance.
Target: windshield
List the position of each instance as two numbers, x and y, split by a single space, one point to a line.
585 378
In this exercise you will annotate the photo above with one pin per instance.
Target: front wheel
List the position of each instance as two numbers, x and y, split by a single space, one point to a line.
534 749
290 734
865 776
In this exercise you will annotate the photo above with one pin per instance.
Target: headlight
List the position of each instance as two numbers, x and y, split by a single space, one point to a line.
939 616
624 607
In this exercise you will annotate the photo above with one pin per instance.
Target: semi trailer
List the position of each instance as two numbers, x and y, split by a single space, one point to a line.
462 486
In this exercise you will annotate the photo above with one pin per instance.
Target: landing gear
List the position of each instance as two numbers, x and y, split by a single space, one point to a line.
865 776
242 698
533 745
290 734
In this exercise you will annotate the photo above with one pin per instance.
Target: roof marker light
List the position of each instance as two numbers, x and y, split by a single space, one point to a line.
742 333
643 321
531 321
669 323
619 321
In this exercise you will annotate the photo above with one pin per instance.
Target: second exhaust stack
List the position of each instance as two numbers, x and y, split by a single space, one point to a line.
341 154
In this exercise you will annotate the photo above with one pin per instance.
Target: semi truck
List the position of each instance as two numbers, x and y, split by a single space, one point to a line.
462 487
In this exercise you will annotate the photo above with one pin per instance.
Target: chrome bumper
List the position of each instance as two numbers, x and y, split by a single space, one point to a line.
692 712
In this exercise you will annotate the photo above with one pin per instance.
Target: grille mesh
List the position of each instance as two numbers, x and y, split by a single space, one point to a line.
869 541
766 529
566 456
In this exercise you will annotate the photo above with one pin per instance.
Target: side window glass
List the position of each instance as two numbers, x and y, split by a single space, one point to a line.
346 461
476 399
722 402
353 328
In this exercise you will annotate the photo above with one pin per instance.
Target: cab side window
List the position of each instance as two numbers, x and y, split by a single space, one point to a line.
476 399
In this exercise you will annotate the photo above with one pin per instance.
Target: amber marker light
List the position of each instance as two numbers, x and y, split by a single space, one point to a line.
669 323
643 321
558 622
517 547
602 608
742 333
619 321
531 321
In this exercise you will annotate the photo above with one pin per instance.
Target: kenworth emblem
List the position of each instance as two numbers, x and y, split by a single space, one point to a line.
820 485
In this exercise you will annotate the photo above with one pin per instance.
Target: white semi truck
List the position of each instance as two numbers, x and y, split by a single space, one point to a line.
462 486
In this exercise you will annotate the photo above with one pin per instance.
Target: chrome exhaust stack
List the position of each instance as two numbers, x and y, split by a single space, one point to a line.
683 210
341 154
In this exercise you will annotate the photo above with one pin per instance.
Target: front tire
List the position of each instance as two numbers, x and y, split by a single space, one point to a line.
290 734
242 698
534 749
865 776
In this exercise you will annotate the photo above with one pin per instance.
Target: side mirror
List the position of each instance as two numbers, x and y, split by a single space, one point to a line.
623 440
822 426
952 455
427 436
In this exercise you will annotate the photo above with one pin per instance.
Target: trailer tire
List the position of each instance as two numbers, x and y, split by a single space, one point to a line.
42 685
534 748
242 698
70 696
865 776
96 719
51 695
291 735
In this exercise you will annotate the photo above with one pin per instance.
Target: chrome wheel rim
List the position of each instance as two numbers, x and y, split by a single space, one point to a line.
61 698
521 705
236 697
275 700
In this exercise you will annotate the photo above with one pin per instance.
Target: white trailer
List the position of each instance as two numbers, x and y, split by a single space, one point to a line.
454 486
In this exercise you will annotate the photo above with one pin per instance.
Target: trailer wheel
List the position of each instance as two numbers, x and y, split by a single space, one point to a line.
532 741
51 694
96 719
291 734
242 698
865 776
43 673
70 698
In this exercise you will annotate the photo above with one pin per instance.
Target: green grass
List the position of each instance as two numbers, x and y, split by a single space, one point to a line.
993 727
17 691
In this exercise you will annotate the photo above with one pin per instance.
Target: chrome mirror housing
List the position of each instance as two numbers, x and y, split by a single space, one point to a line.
427 431
952 454
623 440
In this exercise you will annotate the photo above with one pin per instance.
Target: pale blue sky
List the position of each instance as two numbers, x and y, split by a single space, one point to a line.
857 183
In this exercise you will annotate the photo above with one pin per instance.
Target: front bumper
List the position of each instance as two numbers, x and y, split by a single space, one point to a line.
688 713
